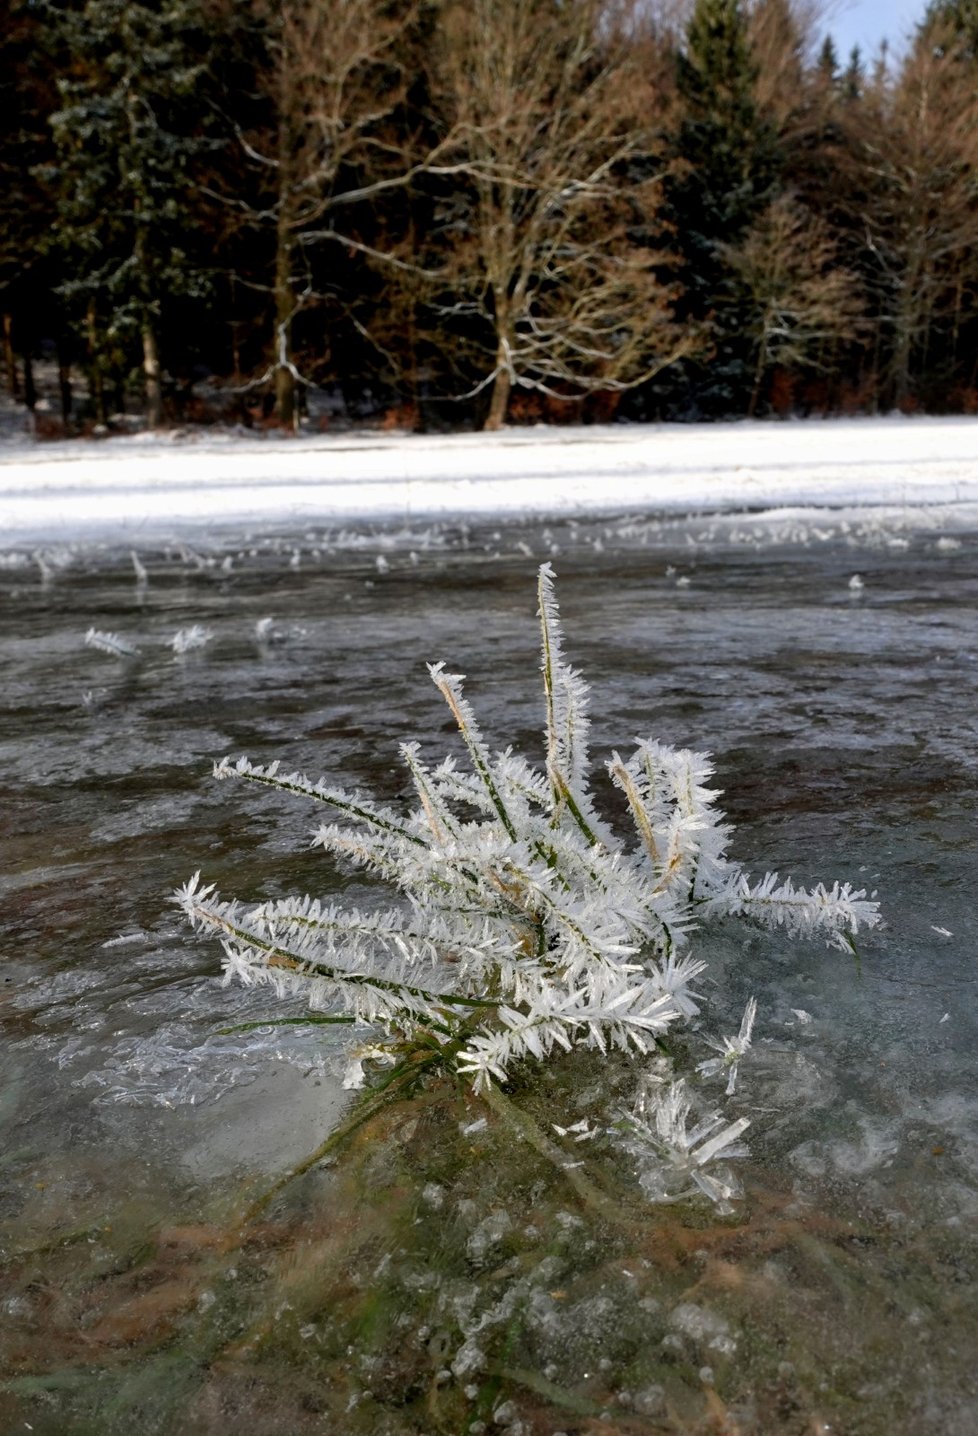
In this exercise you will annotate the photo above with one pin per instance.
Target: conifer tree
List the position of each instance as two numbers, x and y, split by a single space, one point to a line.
854 76
828 63
125 133
957 19
25 101
725 170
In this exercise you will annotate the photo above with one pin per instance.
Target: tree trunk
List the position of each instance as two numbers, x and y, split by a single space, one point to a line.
759 368
153 377
503 382
64 382
901 360
956 321
30 390
499 402
9 358
909 322
237 329
95 378
146 282
285 409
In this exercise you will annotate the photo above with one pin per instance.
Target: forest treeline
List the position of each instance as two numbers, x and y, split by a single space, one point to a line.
457 213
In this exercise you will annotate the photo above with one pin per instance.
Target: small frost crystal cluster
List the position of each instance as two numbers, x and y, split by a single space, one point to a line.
523 927
659 1125
110 643
185 640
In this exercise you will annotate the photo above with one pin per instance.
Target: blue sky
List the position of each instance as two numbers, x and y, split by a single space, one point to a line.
866 22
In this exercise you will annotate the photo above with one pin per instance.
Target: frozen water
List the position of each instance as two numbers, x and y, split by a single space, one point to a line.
844 727
845 734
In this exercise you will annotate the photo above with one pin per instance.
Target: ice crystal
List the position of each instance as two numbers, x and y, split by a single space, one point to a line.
581 1131
185 640
110 643
522 927
354 1077
676 1160
731 1050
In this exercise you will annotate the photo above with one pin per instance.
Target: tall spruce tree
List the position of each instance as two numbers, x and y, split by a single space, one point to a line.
125 133
828 63
958 19
25 101
725 170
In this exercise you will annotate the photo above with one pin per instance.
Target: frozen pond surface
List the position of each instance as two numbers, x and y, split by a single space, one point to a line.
844 724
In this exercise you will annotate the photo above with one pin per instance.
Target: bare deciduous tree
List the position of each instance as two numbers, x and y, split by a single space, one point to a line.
334 73
801 301
778 31
918 146
546 117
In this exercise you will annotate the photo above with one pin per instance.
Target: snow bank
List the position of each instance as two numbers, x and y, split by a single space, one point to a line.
160 485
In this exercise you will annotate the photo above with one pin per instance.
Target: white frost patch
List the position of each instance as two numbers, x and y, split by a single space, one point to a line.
704 1327
470 1359
487 1235
870 1148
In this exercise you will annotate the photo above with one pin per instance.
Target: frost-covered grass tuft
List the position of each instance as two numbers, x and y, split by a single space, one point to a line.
522 928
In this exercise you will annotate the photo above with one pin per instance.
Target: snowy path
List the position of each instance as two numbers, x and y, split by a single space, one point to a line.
143 486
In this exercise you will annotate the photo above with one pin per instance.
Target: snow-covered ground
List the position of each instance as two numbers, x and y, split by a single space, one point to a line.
151 486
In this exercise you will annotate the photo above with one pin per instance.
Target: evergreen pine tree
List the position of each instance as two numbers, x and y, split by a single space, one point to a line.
958 19
25 100
854 76
828 62
726 166
128 126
